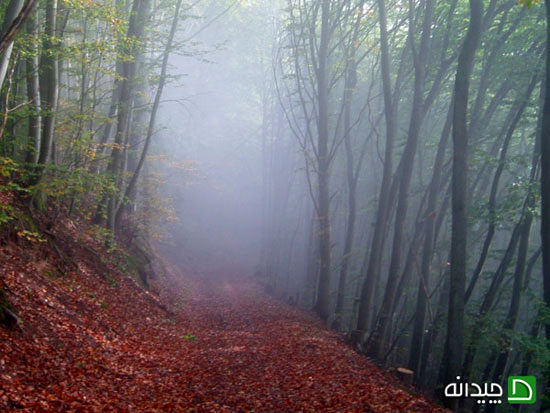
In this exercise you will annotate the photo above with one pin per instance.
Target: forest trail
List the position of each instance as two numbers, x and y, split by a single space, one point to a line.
257 353
93 341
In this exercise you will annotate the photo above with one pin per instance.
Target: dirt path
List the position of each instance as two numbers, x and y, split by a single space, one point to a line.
253 352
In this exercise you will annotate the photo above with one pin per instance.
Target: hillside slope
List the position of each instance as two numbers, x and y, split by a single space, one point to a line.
90 338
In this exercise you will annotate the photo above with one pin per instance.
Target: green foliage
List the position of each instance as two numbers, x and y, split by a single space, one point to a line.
157 211
63 183
188 337
110 280
536 347
99 233
31 236
544 312
7 167
528 3
7 214
57 182
11 174
54 275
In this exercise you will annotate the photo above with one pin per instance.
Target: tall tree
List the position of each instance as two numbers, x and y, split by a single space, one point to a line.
14 18
128 193
322 305
49 82
136 28
427 251
33 91
353 169
545 185
455 326
377 346
373 256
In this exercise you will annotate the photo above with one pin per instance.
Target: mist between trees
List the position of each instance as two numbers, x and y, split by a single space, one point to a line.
375 161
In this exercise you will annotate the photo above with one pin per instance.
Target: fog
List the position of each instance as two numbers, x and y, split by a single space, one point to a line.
320 147
212 121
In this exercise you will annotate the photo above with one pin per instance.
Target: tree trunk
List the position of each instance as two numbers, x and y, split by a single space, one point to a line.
129 193
427 252
377 346
136 28
33 92
351 180
373 258
322 305
489 300
49 86
13 10
491 206
455 326
111 116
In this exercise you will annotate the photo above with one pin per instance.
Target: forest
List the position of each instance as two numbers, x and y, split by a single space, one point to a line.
283 205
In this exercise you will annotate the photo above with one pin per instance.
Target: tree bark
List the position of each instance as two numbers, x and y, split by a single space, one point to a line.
14 18
491 205
427 251
49 86
151 127
136 28
377 346
352 175
33 93
322 305
455 325
373 257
